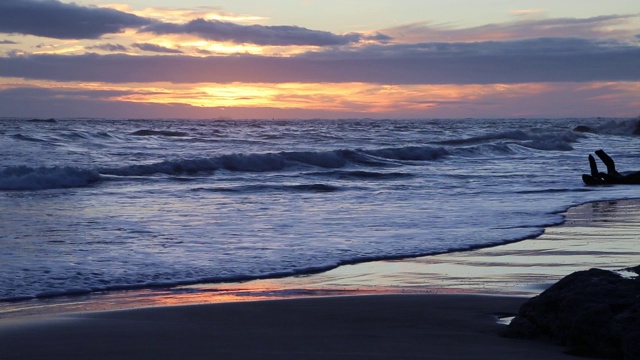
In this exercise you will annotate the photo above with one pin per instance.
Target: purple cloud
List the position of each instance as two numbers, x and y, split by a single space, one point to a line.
256 34
109 47
535 60
7 42
54 19
610 26
156 48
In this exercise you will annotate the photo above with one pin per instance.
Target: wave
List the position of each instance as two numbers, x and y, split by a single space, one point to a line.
67 138
509 135
627 127
27 178
30 178
260 188
410 153
552 191
560 141
279 161
483 150
361 174
26 138
159 133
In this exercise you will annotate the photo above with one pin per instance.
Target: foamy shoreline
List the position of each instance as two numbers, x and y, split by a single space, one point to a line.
523 268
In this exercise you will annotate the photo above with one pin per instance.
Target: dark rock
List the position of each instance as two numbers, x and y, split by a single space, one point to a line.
583 128
522 328
594 313
637 130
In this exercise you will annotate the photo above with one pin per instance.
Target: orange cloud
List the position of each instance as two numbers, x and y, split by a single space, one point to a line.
360 97
337 97
370 100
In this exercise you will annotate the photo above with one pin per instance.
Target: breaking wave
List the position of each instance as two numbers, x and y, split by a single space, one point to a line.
159 133
280 161
366 175
560 141
27 178
271 187
627 127
37 178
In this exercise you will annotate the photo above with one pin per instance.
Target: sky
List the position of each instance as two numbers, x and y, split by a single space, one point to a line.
319 59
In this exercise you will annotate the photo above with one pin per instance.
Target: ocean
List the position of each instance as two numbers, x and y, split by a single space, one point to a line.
90 205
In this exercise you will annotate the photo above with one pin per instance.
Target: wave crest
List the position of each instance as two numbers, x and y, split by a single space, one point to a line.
627 127
278 161
28 178
410 153
559 141
159 133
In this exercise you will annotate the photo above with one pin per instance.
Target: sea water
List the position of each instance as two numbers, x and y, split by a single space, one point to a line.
97 204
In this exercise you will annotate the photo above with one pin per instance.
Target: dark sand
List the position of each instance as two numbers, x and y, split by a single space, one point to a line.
350 327
431 323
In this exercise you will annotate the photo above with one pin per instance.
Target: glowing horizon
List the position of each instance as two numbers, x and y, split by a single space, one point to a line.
209 61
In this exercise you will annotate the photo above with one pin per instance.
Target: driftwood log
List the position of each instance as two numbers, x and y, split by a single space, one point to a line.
612 176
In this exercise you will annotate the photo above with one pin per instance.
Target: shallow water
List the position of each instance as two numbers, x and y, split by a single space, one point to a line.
90 205
601 235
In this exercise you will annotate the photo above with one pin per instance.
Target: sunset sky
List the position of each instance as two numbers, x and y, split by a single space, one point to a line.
319 59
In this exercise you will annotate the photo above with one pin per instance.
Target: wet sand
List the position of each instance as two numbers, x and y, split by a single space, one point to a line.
595 235
434 321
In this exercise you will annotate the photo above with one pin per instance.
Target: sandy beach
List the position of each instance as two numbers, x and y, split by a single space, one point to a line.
352 327
437 307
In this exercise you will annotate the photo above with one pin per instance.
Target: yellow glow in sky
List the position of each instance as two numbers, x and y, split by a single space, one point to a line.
400 58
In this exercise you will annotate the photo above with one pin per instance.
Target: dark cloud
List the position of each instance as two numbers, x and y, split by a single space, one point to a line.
7 42
379 37
536 60
37 93
54 19
156 48
254 34
48 103
109 47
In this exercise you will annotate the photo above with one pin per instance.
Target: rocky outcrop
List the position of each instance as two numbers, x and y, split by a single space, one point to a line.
594 312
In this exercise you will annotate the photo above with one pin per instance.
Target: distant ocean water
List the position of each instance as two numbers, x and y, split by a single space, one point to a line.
90 205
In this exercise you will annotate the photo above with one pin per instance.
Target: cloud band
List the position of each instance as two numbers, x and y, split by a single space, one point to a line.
538 60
